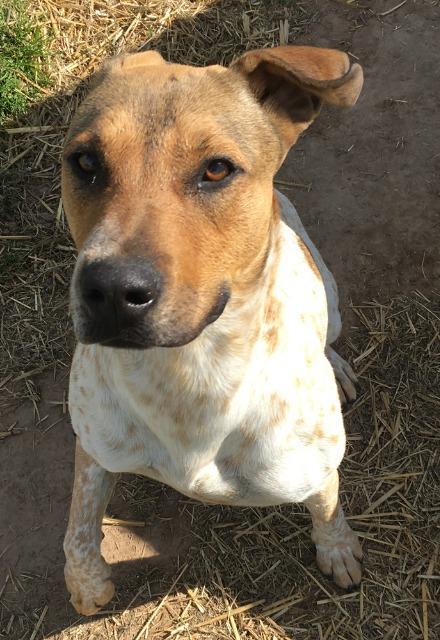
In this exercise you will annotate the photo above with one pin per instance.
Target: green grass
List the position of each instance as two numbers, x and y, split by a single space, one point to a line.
22 55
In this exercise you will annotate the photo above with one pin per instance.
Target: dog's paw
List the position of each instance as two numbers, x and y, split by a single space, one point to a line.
341 561
89 592
345 376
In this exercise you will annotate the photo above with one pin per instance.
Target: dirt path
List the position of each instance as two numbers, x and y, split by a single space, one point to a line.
373 209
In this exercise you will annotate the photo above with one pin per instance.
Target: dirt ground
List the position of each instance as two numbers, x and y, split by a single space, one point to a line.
373 209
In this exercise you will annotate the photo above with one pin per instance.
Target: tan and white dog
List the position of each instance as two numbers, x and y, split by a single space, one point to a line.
203 311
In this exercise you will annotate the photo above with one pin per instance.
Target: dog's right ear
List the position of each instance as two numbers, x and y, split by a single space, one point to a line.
292 82
141 59
124 63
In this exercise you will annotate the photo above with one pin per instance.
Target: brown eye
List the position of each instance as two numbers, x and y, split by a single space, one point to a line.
87 163
217 170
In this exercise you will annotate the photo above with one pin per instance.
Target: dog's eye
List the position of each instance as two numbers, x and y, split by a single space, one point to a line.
87 163
217 170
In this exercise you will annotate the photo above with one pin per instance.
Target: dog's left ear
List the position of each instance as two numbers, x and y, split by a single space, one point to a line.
292 83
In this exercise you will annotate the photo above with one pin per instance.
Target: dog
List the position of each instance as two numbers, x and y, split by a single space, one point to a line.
203 312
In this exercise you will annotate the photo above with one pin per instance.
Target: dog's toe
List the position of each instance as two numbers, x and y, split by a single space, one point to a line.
88 602
345 377
341 563
342 560
89 589
347 390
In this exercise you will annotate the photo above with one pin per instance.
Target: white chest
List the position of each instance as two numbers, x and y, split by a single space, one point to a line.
256 449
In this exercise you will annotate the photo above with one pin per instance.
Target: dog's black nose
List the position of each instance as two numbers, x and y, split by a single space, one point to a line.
116 293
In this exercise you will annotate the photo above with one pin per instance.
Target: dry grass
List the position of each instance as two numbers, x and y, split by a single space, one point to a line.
249 573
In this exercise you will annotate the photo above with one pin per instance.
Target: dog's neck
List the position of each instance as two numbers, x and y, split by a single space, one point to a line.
221 351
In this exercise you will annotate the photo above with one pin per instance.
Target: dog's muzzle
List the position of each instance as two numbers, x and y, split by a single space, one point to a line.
114 297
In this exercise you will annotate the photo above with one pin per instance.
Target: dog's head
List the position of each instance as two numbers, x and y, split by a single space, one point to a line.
167 184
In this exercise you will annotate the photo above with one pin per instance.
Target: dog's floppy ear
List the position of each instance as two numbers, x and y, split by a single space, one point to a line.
293 82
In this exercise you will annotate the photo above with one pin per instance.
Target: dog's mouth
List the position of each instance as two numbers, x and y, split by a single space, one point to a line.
146 332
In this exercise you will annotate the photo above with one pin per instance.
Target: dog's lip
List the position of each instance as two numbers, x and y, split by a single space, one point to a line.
219 305
148 337
122 343
147 341
120 340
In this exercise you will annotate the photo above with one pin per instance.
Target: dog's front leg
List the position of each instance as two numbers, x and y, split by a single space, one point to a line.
337 547
87 574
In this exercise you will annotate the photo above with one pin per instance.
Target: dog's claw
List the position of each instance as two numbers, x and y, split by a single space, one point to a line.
342 561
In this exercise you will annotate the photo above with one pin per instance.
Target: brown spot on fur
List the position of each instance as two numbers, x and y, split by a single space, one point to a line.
320 326
183 437
179 415
310 358
131 429
273 310
200 401
309 258
144 398
147 400
99 374
272 313
273 306
160 387
271 337
319 433
248 435
279 408
275 249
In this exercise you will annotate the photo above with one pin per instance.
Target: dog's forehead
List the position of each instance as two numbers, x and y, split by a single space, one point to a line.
163 92
139 105
160 76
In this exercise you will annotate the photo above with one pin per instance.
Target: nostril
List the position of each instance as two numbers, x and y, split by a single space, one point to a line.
94 296
139 297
